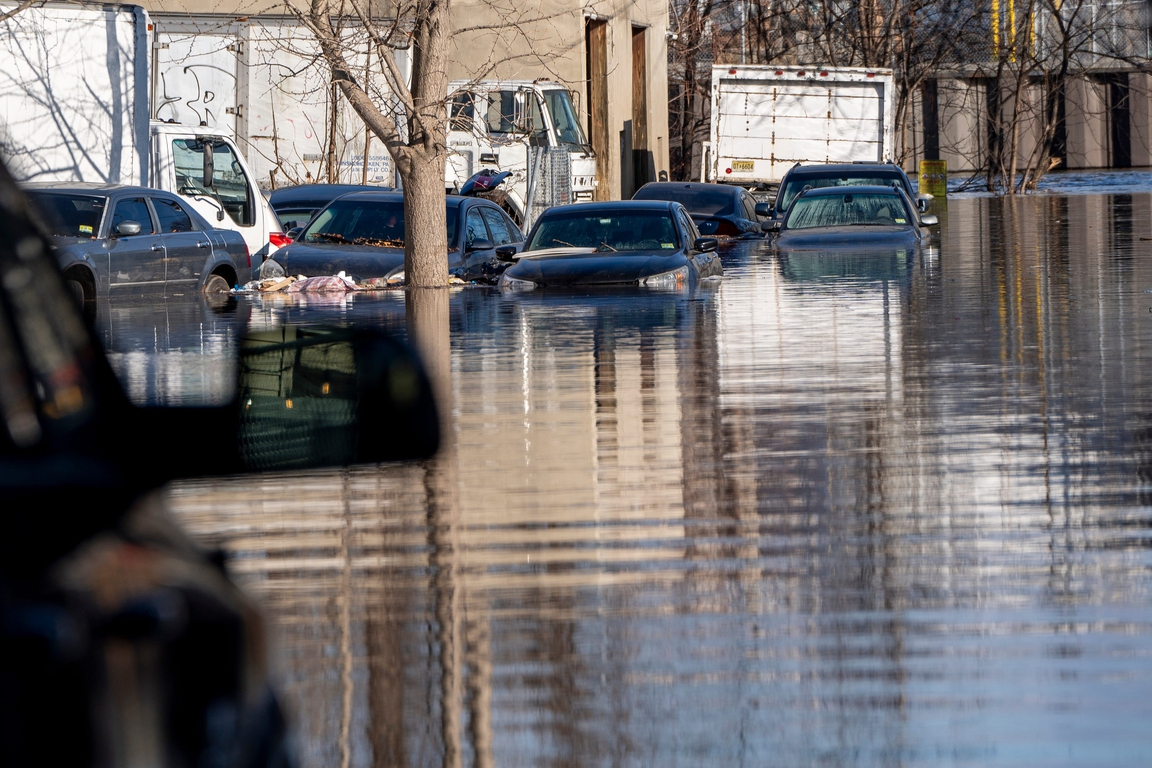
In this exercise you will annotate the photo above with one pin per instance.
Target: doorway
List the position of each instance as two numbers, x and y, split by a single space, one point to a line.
596 65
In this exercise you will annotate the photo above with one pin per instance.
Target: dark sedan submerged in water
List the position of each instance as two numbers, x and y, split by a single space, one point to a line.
853 218
719 210
653 244
362 235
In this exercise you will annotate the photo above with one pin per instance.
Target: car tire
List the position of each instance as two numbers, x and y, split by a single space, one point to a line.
76 288
216 284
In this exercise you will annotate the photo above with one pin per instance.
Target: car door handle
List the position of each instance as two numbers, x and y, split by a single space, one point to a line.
202 244
157 248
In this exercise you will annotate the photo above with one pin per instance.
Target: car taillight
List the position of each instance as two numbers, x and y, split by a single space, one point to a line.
279 239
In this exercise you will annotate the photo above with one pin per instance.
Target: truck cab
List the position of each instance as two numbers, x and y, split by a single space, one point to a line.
493 124
206 168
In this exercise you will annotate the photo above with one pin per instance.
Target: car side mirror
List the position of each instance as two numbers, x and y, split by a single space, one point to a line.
294 233
128 228
506 253
764 209
773 226
705 244
479 244
923 203
929 220
307 398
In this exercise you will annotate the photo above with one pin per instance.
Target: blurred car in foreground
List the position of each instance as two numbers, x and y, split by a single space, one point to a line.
719 210
853 218
362 234
115 240
820 175
124 643
653 244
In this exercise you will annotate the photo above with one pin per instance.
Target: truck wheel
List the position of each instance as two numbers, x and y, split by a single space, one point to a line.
216 284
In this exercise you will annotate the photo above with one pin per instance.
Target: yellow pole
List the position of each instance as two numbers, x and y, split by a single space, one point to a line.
1012 26
996 28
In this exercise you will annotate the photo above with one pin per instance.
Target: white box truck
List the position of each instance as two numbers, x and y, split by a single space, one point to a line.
262 80
496 124
767 118
74 106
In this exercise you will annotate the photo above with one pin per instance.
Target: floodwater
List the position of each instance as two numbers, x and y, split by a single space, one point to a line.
837 511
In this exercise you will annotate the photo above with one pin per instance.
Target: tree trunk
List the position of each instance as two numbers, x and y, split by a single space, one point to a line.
426 236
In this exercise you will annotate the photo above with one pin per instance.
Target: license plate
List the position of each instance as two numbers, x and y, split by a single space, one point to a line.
743 166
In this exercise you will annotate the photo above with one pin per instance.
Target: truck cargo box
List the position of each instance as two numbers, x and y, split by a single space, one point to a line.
767 118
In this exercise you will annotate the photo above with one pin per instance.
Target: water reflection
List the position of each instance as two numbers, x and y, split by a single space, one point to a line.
869 512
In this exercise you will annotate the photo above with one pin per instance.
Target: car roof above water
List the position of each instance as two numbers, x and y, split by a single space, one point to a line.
852 189
613 206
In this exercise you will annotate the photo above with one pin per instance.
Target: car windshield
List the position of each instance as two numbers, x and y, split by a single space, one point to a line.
709 202
568 130
378 223
870 209
70 215
796 185
606 231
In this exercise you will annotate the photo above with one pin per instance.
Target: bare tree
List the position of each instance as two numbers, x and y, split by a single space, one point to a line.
407 114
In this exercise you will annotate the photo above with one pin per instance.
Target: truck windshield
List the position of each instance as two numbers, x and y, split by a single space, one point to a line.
376 223
568 130
606 231
868 209
227 184
796 184
70 215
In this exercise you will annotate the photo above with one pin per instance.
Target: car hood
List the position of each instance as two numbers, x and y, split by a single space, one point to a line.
585 266
848 237
359 260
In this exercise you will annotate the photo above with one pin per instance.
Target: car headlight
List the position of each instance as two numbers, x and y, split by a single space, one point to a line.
513 284
270 270
673 279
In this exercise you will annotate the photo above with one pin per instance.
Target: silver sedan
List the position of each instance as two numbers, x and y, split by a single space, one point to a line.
115 240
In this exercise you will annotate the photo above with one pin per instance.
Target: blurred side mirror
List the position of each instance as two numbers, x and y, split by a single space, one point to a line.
479 244
763 209
923 202
128 228
294 233
705 244
316 397
929 220
506 253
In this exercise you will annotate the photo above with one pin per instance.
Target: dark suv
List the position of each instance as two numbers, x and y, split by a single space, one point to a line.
840 174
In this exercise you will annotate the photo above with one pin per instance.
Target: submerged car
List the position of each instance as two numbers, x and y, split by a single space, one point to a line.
295 206
853 218
648 243
719 210
116 240
817 176
362 235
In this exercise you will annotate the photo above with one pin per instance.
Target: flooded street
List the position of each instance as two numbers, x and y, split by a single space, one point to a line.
831 510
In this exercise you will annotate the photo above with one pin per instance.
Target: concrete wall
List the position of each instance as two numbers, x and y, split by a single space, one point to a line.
1086 122
963 125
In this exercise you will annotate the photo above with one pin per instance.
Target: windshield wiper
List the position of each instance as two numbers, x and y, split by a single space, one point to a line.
558 240
604 246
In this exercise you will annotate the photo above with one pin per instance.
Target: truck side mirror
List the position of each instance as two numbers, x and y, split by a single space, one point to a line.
763 209
209 169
